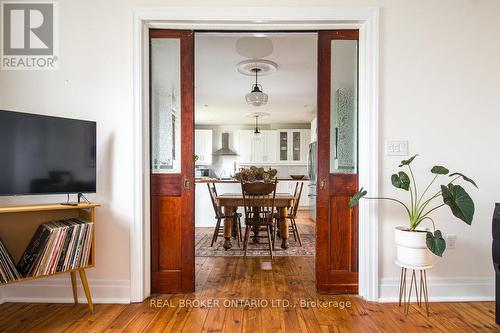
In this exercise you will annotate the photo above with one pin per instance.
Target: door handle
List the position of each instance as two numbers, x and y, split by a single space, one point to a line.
336 142
322 184
187 184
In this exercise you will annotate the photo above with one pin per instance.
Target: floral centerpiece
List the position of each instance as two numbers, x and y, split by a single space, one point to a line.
253 174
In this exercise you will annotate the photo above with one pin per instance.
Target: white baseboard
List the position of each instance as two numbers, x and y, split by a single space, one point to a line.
58 290
456 289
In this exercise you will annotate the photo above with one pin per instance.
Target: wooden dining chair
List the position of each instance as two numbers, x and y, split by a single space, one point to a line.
258 199
220 216
292 212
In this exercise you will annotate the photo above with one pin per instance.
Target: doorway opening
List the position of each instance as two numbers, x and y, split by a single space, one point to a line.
232 133
314 167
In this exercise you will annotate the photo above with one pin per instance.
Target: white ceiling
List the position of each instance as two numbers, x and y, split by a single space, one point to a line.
220 90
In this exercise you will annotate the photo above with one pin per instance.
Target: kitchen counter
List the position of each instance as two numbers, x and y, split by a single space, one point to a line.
217 180
204 210
213 180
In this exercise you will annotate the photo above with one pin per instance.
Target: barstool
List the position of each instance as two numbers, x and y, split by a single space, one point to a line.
420 287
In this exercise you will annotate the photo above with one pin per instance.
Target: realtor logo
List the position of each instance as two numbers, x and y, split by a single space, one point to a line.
29 35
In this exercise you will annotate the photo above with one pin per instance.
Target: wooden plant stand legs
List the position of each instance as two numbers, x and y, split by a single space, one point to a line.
420 288
86 289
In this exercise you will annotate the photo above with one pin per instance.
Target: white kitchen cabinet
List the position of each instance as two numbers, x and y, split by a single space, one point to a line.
203 146
284 146
304 198
204 210
255 151
314 130
264 150
306 134
283 186
288 186
293 145
244 148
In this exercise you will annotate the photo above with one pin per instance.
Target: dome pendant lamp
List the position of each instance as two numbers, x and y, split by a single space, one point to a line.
256 97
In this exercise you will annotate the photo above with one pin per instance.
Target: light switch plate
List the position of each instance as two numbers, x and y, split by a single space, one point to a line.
451 241
396 148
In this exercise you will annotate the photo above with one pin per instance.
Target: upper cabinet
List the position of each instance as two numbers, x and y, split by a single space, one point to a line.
253 150
293 145
203 146
314 130
273 147
244 143
264 149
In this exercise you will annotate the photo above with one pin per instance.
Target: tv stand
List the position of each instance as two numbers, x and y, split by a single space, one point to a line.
80 196
19 223
69 204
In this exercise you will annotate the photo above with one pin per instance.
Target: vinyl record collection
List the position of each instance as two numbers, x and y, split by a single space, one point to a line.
8 271
57 246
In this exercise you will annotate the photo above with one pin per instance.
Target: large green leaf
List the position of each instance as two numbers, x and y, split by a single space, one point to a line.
464 177
408 161
460 202
439 170
401 180
355 198
435 242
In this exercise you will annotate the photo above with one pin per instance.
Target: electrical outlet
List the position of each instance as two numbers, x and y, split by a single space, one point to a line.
451 241
396 148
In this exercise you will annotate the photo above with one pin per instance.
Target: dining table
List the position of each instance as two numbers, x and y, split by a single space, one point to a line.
231 201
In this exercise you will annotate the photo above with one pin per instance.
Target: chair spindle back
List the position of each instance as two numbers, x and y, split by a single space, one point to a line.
258 201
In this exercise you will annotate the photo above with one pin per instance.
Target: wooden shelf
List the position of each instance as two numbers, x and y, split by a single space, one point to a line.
20 222
46 207
31 278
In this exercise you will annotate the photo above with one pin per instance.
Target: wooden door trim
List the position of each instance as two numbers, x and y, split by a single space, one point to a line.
280 19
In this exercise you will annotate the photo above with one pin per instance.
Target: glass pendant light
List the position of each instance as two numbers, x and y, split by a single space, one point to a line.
257 134
256 97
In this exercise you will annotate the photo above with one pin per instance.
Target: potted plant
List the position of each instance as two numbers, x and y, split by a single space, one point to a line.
412 241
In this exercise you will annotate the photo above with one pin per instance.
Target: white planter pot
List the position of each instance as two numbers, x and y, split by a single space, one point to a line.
411 247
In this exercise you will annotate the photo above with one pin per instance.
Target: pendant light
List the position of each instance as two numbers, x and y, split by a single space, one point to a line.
257 134
256 97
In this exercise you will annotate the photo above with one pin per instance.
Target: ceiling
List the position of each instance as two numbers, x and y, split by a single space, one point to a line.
220 89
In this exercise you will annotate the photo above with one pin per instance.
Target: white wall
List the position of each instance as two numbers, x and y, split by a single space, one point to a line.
440 65
439 76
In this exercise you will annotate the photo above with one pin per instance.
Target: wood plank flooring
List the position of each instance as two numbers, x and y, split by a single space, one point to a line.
260 301
238 295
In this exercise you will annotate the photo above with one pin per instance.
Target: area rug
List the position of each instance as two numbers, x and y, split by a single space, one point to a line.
203 249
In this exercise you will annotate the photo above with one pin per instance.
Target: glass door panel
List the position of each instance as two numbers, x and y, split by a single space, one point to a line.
283 146
344 106
296 146
165 105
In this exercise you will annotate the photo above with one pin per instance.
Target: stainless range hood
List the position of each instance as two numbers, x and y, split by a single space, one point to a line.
225 151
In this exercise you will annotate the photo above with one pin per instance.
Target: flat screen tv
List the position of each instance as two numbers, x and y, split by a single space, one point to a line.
46 155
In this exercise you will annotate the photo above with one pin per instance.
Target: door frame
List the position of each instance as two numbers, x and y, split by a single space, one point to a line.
257 19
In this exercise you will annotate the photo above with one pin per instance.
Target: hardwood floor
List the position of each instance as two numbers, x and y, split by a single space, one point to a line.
222 279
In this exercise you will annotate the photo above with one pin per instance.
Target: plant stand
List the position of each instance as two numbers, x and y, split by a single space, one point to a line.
421 292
